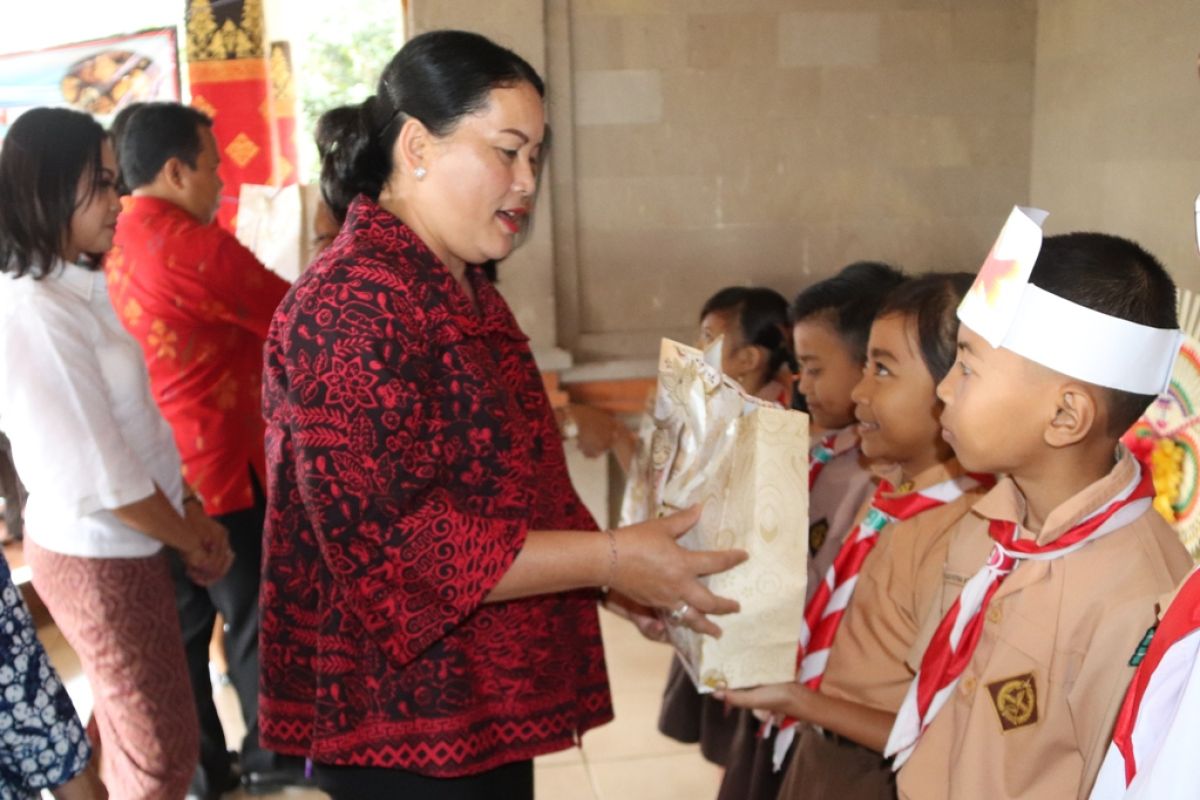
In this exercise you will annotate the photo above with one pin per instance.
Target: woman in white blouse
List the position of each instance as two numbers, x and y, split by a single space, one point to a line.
105 490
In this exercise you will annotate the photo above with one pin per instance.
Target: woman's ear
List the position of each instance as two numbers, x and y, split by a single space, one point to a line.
412 148
1075 415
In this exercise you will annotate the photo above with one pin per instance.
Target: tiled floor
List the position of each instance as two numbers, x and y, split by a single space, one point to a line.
625 760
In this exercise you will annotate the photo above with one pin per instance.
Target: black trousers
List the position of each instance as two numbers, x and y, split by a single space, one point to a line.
236 597
509 782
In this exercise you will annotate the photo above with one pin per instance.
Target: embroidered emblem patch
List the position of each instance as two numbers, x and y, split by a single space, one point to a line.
1015 700
816 536
1143 646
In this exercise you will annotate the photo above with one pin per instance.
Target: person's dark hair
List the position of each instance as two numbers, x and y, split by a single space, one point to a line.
849 301
761 316
1115 277
931 303
116 130
437 78
154 134
45 153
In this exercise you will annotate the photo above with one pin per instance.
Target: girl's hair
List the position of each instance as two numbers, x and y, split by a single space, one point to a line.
437 78
850 300
761 316
44 155
931 303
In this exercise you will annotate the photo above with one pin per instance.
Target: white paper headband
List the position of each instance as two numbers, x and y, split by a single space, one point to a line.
1009 312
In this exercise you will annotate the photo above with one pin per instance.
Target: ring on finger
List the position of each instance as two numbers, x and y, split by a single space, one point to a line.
677 615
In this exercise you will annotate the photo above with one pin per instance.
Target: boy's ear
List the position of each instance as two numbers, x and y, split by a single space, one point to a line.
1075 414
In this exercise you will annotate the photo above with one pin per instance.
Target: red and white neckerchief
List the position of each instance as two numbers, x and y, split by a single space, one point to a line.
824 451
825 609
1156 726
955 639
821 454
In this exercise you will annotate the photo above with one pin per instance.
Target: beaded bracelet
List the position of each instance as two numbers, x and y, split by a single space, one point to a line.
612 561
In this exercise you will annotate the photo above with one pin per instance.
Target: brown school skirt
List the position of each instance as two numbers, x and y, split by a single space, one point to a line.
689 717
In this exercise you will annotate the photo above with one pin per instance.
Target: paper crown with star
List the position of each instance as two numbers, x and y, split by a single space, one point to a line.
1008 311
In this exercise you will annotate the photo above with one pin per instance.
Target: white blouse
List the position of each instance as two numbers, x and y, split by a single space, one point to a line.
75 402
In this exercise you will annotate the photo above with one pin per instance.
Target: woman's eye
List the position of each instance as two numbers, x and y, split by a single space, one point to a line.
964 368
511 155
881 370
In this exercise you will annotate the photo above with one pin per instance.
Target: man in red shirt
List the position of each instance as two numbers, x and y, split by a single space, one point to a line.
200 303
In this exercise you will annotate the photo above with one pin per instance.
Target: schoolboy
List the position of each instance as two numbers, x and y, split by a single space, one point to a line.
1051 581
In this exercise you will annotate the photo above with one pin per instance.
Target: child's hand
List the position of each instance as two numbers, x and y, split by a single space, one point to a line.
785 699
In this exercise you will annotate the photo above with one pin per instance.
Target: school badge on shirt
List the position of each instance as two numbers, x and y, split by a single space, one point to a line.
1015 700
817 534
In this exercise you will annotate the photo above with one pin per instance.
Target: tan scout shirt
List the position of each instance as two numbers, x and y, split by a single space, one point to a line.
900 581
1034 711
842 488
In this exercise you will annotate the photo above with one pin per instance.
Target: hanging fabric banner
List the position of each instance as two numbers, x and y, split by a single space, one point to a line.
229 76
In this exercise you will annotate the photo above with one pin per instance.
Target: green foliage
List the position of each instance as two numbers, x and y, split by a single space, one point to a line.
341 63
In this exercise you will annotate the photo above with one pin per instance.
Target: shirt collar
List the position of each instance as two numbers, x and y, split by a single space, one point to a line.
1005 502
418 265
80 281
144 205
940 472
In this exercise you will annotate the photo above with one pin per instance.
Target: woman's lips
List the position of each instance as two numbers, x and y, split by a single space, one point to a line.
511 219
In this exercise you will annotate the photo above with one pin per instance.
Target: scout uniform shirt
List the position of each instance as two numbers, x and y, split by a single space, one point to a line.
1159 722
899 582
844 485
1034 710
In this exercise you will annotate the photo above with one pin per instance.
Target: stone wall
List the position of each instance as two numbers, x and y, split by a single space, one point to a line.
1116 126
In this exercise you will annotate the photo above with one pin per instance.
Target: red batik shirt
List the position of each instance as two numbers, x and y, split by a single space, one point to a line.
199 303
410 447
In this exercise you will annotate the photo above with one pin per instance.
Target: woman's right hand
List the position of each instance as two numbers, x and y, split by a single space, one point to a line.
652 569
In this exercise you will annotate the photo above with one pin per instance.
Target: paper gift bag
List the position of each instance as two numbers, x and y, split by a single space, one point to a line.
270 223
746 460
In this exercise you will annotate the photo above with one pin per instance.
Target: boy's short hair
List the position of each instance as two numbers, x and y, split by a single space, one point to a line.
1116 277
116 131
850 300
155 133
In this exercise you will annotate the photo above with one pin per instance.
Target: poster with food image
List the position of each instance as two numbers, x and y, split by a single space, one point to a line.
99 77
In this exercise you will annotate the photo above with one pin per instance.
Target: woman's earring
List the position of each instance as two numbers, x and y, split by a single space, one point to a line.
419 173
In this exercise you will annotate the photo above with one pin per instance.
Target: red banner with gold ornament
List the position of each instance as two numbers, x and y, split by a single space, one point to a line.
229 76
283 114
